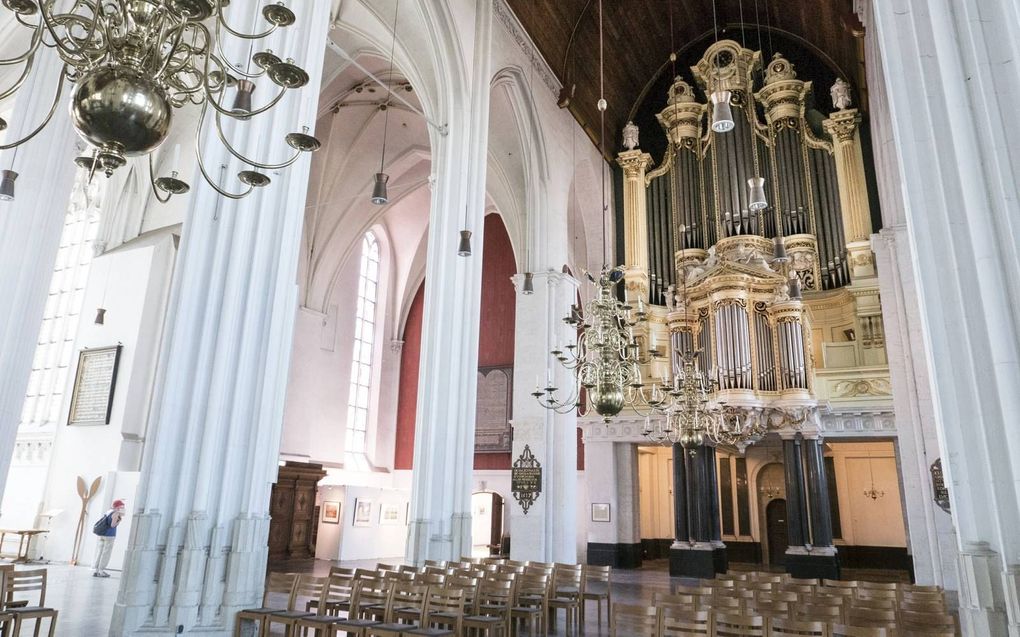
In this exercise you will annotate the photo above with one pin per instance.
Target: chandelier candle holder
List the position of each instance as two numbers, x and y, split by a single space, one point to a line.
131 64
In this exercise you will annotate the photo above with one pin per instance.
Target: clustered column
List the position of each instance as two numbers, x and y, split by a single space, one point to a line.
809 525
698 550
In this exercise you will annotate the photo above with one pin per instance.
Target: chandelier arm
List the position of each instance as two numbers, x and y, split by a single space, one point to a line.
152 183
178 36
222 22
236 153
49 115
201 162
30 52
20 81
62 45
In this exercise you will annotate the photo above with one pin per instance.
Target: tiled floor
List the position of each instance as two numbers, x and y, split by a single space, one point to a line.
86 603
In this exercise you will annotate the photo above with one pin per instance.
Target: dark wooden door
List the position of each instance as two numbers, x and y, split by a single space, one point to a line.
775 523
496 535
293 512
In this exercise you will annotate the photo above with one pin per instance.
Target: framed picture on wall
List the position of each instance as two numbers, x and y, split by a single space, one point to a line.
600 512
362 512
331 512
389 514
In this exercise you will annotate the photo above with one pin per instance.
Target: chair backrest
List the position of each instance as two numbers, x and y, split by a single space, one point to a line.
856 616
445 602
914 619
920 588
370 593
778 596
931 631
309 587
338 588
385 567
494 593
718 583
878 586
692 590
564 575
737 577
438 563
770 609
800 589
630 620
675 599
876 593
533 585
839 583
842 630
279 584
24 583
341 570
367 574
780 626
407 596
936 608
739 625
596 573
883 603
719 602
430 579
841 591
818 612
923 596
679 622
407 568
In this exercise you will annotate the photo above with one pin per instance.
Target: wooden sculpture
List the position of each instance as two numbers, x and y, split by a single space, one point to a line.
86 496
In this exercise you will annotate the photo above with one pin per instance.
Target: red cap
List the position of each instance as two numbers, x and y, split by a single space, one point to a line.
118 504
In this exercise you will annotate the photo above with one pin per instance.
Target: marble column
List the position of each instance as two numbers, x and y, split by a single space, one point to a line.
30 228
680 502
810 552
635 224
844 127
825 561
441 483
694 554
952 91
198 545
548 531
719 556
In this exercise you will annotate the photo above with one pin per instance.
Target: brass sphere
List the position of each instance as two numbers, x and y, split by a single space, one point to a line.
118 107
607 398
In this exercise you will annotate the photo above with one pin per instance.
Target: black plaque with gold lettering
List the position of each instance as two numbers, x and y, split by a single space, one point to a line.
938 485
526 479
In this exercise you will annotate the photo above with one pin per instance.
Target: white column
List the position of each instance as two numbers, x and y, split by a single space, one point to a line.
952 95
445 422
548 531
30 228
198 545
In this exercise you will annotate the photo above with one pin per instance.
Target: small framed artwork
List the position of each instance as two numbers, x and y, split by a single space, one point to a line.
362 512
389 514
600 512
331 512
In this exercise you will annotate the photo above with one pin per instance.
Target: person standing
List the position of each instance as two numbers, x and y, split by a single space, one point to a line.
106 529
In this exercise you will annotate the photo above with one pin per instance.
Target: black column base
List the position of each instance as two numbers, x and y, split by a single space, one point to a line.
811 566
615 555
694 563
720 559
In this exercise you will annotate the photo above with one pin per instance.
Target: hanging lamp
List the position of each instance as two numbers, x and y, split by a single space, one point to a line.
7 185
380 197
722 114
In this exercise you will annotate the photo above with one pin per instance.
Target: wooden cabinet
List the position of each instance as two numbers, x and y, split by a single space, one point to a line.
292 509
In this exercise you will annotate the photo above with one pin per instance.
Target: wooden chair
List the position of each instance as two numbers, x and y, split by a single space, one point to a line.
407 608
919 620
839 583
882 603
935 608
368 598
467 584
737 577
779 596
770 610
597 587
340 588
677 622
439 563
686 602
385 567
739 625
25 583
692 590
780 627
444 614
872 617
279 585
337 597
721 603
309 588
878 586
800 589
491 614
922 596
827 613
630 620
920 588
567 587
842 630
531 603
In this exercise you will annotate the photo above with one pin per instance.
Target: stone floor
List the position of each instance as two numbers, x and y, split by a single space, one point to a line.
86 603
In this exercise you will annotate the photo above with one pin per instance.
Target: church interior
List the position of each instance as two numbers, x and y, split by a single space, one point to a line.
687 317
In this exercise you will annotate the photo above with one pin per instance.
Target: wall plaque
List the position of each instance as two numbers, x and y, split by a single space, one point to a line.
938 485
492 410
94 381
526 479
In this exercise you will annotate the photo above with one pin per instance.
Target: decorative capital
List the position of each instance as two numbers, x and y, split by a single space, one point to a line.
842 125
634 163
396 346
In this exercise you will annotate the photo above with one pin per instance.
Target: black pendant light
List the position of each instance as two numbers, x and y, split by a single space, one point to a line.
380 197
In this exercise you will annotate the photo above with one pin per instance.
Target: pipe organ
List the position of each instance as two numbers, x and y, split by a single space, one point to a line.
726 266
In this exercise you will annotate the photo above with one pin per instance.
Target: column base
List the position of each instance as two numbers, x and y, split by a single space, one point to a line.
720 558
822 565
615 555
695 561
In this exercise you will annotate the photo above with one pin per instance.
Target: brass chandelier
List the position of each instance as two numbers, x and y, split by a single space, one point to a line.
132 63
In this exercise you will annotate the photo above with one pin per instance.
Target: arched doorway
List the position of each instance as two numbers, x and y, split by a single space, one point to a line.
486 523
775 526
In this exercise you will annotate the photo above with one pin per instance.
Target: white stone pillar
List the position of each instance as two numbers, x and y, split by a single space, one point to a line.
548 531
198 545
445 424
30 228
952 93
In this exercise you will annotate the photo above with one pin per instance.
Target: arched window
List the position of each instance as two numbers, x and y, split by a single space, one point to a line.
364 340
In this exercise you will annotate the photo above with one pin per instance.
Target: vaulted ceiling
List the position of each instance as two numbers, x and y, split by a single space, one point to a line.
638 43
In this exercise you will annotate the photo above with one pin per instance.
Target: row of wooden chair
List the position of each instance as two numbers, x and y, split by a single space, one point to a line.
630 620
437 599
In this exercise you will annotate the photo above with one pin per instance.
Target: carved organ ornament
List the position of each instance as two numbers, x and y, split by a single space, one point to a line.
693 222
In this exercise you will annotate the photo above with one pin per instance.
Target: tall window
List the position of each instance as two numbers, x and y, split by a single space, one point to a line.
364 339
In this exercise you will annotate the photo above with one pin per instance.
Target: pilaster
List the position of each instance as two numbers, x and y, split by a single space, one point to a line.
30 228
635 221
198 546
844 127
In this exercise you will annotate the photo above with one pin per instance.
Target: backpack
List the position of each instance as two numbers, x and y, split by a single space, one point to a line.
102 525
